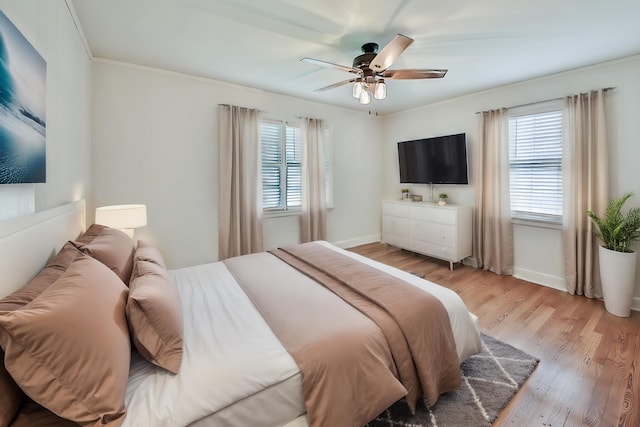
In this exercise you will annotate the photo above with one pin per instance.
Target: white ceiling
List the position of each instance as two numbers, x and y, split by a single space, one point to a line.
259 43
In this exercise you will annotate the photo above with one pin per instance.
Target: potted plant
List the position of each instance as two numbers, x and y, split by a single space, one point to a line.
442 199
405 193
617 260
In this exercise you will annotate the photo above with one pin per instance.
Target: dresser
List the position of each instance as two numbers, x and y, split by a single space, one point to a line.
442 232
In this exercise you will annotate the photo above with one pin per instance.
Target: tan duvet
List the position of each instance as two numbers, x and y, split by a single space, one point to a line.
353 365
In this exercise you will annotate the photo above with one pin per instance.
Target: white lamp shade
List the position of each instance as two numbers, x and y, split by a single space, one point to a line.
122 216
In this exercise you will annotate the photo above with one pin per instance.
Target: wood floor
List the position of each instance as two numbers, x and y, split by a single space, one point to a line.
589 371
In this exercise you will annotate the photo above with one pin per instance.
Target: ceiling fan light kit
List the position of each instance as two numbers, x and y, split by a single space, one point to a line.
363 90
371 70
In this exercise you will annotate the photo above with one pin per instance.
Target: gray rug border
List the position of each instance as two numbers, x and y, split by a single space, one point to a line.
424 416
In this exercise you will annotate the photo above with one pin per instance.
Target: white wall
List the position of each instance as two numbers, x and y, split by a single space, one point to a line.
155 141
537 251
49 27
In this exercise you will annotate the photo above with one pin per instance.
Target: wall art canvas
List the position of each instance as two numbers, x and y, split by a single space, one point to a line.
23 75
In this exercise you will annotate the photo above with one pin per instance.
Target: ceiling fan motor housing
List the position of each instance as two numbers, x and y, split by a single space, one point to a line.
369 51
363 61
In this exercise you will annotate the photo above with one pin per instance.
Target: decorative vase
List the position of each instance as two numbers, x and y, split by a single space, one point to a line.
618 278
442 202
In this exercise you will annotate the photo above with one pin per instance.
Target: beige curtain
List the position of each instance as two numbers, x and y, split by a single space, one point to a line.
240 187
493 235
585 186
313 218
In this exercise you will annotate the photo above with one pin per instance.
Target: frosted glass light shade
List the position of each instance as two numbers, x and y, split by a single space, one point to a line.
380 91
357 89
122 217
365 97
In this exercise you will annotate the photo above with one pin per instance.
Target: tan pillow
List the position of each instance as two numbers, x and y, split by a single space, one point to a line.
111 247
31 414
43 279
154 311
11 397
69 348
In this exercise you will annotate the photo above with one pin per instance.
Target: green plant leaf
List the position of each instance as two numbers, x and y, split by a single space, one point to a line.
617 231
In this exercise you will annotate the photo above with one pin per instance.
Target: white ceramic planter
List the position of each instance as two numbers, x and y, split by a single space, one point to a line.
618 278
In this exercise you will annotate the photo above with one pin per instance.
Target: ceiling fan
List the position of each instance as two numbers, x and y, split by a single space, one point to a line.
371 69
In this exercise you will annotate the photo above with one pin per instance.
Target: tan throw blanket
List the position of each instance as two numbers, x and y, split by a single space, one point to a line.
349 363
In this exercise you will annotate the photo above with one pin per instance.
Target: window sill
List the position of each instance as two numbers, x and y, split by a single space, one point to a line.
537 223
277 214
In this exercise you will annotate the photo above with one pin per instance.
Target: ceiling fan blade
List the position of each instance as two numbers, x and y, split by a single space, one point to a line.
413 74
335 85
390 53
331 65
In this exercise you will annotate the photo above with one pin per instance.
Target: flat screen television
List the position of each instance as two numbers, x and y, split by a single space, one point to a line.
438 160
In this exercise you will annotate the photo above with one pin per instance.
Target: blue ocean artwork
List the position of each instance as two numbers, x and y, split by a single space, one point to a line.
22 108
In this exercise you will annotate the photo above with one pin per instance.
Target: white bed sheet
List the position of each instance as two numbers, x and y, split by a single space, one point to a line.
230 354
235 372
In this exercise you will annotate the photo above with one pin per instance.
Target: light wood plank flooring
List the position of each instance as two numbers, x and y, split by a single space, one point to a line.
589 371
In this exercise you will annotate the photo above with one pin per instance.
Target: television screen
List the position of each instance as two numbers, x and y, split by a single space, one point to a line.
439 160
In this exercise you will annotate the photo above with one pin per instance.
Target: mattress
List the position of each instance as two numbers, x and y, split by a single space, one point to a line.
235 372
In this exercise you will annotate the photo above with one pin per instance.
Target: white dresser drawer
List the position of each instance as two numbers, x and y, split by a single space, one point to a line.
441 215
434 250
396 209
395 225
395 240
432 232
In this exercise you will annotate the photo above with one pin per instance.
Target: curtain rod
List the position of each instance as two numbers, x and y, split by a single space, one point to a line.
606 89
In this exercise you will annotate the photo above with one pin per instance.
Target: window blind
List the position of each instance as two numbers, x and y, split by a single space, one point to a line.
535 166
281 165
271 147
294 166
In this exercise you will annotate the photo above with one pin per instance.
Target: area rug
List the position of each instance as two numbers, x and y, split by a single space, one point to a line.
490 379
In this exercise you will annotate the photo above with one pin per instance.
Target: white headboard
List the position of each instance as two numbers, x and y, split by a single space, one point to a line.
28 243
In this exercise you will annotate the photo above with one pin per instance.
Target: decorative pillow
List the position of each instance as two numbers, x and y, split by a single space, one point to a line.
31 414
111 247
69 348
11 397
154 311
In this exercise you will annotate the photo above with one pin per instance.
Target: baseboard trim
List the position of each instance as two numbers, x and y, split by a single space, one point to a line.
349 243
553 282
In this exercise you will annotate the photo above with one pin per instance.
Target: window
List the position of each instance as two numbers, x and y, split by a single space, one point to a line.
535 165
281 165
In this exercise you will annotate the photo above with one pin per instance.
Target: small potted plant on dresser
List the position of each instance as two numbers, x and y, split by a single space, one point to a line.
617 260
442 199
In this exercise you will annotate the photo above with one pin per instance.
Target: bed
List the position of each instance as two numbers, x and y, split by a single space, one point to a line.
235 369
